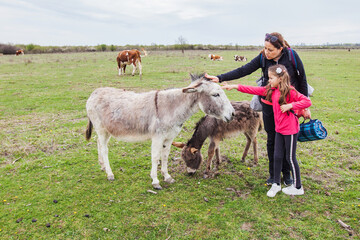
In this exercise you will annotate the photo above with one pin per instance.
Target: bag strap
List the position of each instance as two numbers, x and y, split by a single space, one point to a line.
262 63
292 59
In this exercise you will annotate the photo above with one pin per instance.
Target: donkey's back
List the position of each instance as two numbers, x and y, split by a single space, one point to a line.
123 114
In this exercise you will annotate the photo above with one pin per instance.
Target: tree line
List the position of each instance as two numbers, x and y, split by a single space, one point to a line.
36 49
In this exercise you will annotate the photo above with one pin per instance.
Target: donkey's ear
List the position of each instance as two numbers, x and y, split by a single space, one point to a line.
193 150
178 144
193 77
191 89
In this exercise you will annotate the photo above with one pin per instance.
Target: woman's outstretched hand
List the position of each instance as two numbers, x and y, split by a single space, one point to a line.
212 78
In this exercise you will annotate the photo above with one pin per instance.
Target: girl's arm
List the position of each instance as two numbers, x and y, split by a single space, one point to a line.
298 101
246 89
229 86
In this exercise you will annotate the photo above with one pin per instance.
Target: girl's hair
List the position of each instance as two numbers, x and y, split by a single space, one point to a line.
284 85
277 40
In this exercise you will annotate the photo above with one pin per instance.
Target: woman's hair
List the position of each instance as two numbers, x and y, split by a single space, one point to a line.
277 40
284 85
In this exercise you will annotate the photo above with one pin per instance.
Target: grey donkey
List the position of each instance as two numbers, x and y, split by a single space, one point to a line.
155 115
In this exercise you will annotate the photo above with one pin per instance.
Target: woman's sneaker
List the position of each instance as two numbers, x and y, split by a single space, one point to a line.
275 188
292 190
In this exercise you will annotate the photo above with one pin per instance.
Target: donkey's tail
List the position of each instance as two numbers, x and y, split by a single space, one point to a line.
88 130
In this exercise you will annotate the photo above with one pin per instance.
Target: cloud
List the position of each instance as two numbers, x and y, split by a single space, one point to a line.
91 22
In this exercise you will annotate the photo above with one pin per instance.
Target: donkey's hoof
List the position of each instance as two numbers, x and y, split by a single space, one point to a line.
111 178
170 180
157 186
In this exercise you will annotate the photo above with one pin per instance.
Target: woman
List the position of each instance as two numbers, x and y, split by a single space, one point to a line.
284 99
275 52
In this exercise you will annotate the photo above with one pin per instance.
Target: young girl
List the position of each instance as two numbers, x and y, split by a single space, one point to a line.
283 98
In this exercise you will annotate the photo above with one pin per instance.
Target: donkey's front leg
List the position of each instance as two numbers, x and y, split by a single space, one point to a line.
211 152
164 161
156 146
256 159
217 157
248 142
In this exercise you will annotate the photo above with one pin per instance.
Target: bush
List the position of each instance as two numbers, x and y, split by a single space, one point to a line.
101 47
112 48
30 47
8 49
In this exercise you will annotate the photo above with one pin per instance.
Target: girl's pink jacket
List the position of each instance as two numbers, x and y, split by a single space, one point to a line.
285 123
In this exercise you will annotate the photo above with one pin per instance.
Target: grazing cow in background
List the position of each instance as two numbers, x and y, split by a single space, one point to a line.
246 121
155 115
145 52
240 58
215 57
18 52
128 57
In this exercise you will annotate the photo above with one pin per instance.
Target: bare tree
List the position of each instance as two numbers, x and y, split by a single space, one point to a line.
182 43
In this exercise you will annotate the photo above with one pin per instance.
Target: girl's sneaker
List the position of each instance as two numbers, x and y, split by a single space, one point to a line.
292 190
269 181
275 188
288 180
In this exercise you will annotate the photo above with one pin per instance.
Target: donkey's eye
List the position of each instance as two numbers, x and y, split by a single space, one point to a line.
216 95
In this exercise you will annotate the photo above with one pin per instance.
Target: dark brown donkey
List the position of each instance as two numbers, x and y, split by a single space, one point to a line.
245 121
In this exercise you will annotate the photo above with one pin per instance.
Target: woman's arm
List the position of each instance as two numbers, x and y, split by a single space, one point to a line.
245 70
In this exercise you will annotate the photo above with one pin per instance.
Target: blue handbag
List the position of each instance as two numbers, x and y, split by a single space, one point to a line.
311 131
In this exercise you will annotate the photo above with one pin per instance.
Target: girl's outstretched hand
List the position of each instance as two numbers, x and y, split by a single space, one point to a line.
212 78
228 86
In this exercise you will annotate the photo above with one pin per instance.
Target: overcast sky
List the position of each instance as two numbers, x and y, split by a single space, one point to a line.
146 22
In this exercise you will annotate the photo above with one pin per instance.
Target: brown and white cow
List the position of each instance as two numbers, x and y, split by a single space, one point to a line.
18 52
128 57
240 58
145 52
215 57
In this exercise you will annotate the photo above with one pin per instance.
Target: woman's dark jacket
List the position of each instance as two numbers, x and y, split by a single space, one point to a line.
298 81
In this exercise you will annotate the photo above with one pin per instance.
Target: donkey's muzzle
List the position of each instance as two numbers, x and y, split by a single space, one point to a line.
229 119
190 171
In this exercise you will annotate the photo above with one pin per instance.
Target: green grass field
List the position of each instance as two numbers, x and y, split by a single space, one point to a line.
44 157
